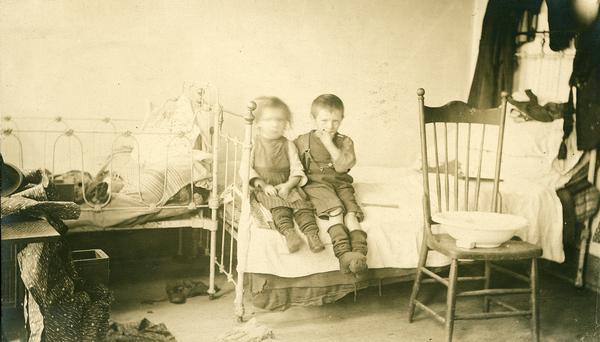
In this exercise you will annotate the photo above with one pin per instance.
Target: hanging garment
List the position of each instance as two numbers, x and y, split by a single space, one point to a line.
586 78
495 62
527 28
561 22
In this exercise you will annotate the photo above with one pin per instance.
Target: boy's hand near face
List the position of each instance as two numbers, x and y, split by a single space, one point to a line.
326 137
327 140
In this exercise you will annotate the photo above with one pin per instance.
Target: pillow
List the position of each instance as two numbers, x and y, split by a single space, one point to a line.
152 177
522 139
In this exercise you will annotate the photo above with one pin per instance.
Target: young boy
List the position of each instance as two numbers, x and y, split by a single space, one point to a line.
327 156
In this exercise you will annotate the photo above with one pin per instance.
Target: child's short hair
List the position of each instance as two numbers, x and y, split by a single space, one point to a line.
327 101
263 102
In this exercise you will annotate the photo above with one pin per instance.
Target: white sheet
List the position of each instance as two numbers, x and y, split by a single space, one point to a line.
394 234
536 200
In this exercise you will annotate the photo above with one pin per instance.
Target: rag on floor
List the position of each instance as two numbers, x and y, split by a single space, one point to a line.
250 331
142 331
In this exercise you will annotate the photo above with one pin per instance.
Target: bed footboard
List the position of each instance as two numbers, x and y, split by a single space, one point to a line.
233 181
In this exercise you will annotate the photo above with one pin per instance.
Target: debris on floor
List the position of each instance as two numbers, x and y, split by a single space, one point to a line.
250 331
143 330
180 290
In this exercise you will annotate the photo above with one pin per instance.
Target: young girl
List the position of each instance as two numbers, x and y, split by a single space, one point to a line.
277 175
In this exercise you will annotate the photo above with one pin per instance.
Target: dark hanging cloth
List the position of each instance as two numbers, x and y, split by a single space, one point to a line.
61 306
586 78
562 23
497 47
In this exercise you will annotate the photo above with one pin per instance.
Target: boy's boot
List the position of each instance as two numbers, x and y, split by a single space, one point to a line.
342 248
358 240
282 217
308 225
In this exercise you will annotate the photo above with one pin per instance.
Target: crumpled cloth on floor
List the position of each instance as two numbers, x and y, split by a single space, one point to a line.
142 331
250 331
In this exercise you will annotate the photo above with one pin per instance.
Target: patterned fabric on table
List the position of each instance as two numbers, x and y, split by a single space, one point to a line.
34 201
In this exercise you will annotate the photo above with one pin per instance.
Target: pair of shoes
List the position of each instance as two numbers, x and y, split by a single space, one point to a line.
294 241
180 290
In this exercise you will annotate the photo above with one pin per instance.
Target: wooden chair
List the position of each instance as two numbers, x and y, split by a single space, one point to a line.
453 114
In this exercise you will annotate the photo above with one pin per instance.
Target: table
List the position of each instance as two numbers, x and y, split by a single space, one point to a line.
15 234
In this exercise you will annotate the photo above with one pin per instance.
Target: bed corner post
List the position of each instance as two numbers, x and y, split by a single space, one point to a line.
213 203
243 233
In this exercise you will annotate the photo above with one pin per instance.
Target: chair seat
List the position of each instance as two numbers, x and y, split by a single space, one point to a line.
510 250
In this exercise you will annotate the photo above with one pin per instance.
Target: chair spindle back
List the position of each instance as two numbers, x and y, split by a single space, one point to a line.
457 115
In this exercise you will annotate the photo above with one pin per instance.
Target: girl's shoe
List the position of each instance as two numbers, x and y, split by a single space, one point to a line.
293 240
314 242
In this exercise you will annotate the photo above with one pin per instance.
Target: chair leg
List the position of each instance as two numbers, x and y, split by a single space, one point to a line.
486 285
535 305
417 284
451 299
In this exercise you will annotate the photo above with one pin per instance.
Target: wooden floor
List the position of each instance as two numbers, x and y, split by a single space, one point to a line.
567 314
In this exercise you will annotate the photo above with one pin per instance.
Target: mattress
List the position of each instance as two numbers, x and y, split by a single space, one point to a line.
391 199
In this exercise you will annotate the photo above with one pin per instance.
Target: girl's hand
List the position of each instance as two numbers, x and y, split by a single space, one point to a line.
270 190
283 190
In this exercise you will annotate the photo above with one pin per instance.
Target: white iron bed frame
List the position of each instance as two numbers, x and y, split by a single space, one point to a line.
209 225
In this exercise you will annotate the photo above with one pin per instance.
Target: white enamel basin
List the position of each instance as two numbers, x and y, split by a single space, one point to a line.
480 229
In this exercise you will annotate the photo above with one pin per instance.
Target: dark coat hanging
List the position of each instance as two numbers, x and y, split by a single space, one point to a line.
497 46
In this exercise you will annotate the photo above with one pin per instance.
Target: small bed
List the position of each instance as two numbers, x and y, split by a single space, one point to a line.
391 198
159 173
393 223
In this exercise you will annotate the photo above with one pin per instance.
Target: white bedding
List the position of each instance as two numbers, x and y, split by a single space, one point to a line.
394 234
535 200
